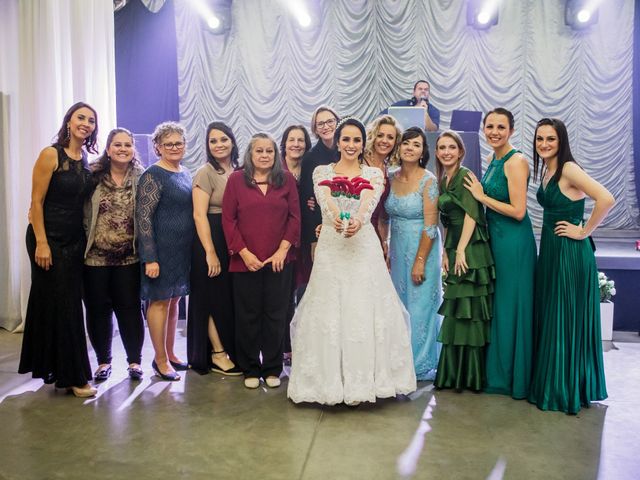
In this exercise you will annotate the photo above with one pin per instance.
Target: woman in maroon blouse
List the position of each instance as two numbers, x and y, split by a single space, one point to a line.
261 222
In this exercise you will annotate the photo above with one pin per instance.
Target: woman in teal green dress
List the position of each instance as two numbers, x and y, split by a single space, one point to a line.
568 369
468 262
504 192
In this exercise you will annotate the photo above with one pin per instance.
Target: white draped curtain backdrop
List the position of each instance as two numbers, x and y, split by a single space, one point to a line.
359 56
54 53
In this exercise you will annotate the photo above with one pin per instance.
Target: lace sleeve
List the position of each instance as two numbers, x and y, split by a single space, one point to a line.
327 205
369 198
430 207
147 197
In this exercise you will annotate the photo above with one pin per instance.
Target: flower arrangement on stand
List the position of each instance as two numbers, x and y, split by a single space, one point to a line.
607 290
607 287
346 194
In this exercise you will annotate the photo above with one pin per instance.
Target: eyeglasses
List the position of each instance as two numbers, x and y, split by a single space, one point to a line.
329 123
173 146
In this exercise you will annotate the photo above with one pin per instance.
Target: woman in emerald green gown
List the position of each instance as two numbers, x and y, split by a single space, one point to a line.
468 262
568 369
504 192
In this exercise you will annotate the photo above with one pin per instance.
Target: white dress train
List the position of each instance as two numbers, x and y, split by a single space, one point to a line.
350 333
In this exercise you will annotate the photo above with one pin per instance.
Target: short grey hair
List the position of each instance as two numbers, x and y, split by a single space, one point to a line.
165 129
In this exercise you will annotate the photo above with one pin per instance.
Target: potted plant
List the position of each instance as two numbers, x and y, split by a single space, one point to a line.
607 290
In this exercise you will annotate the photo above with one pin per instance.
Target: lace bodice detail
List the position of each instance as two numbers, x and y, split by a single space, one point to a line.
412 206
330 208
69 185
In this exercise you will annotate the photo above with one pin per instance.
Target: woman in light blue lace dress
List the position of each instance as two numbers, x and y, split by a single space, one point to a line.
415 248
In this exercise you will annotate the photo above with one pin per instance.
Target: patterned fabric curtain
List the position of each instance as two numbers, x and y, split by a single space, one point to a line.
359 56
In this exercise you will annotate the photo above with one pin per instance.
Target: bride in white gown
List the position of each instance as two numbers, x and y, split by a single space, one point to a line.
350 334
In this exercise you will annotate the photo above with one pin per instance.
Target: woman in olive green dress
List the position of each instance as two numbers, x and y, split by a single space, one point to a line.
468 262
568 368
504 192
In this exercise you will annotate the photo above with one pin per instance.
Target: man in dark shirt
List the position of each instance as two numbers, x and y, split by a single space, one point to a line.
421 99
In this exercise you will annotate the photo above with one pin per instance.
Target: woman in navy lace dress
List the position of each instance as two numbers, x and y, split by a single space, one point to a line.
165 231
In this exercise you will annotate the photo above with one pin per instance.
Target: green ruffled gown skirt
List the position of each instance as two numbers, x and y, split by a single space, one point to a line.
466 326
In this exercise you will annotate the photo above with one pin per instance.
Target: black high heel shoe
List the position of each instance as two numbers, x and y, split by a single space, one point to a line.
179 365
169 377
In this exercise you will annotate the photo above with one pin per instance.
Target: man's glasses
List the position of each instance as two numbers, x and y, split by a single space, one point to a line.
173 146
327 123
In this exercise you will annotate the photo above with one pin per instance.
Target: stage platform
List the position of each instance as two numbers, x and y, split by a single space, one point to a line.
620 261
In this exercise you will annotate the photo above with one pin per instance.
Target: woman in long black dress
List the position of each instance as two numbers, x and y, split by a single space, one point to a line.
211 324
164 217
54 345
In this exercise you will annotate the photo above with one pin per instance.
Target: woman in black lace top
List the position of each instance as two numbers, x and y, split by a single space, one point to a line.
54 345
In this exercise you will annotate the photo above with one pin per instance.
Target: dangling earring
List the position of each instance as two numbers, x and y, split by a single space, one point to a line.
68 132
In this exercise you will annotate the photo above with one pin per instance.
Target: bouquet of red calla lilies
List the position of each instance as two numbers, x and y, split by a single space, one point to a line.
347 195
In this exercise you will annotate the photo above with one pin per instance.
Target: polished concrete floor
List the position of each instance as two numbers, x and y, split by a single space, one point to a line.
211 427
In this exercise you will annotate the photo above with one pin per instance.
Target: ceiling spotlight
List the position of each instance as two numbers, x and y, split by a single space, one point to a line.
299 10
482 14
213 22
215 14
304 19
483 18
580 14
583 15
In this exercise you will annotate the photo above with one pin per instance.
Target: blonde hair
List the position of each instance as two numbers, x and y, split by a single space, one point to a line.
372 132
320 109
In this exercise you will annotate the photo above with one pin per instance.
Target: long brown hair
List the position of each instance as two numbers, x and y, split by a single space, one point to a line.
564 150
63 138
456 138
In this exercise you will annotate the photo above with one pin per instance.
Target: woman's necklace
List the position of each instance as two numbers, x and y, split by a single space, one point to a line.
409 178
348 171
294 168
372 163
548 175
118 178
262 180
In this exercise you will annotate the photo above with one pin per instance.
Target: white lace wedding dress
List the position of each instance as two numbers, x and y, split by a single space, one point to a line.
350 333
